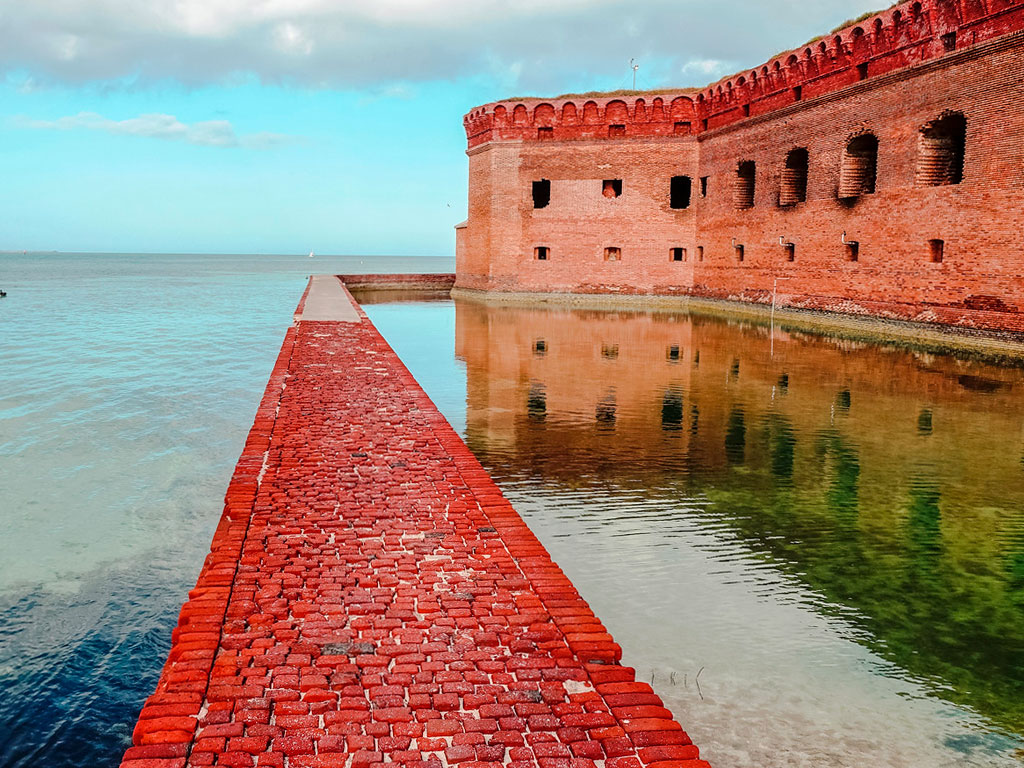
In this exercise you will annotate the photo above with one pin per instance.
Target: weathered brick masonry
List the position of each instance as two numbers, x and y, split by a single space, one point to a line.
878 171
370 597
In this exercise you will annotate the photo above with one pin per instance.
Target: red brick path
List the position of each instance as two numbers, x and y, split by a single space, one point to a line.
371 597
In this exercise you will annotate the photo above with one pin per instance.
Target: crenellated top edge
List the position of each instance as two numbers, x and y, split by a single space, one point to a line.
905 34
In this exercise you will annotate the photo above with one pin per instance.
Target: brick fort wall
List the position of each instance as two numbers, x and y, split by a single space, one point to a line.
878 171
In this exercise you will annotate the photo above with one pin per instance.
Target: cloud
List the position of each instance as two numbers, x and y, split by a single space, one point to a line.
547 45
707 68
208 133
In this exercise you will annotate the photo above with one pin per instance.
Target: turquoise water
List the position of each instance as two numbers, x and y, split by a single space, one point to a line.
128 385
816 556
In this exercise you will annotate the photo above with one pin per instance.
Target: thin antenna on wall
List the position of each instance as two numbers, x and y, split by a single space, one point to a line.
634 66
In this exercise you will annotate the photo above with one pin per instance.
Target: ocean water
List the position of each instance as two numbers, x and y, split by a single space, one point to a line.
127 386
815 555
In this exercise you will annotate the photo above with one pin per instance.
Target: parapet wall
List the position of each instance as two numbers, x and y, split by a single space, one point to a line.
906 34
935 223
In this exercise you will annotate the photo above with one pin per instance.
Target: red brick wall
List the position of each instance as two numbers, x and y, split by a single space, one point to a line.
580 222
911 79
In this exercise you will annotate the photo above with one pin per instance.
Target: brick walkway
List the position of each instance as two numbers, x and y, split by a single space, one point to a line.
370 597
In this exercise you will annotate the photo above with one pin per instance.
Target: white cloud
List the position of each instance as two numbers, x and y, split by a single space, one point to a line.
292 40
539 45
707 67
208 133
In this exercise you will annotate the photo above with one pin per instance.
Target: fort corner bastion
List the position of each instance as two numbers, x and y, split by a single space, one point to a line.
877 171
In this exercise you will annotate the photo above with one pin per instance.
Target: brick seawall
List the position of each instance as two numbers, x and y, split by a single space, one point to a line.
370 596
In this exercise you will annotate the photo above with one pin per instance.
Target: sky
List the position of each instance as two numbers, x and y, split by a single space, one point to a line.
282 126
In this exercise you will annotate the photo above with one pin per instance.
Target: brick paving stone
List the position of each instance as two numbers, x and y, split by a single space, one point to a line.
371 597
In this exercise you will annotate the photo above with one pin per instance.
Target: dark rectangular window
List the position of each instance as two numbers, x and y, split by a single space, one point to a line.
862 71
541 193
611 187
540 347
537 403
739 252
678 254
704 124
615 131
541 252
935 250
672 410
679 192
746 110
948 41
798 92
681 127
703 186
852 250
613 254
700 253
790 250
546 133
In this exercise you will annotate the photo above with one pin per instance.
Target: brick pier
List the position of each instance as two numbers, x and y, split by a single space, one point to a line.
370 597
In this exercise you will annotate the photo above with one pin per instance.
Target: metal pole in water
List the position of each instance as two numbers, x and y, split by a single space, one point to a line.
775 290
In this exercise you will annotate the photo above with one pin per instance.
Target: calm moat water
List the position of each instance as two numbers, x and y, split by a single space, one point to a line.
816 557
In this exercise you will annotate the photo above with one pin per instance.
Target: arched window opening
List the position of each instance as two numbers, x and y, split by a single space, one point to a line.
679 192
794 178
858 171
743 191
940 151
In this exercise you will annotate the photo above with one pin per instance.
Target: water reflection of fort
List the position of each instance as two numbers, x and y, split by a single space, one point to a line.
890 481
